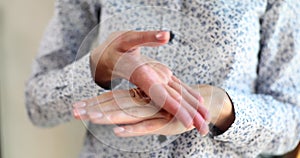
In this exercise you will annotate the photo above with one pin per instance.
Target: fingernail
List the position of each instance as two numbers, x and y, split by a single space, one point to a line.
79 104
79 112
160 36
95 115
119 129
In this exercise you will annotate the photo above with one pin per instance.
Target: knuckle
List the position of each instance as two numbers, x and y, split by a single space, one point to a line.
168 116
195 114
178 98
121 41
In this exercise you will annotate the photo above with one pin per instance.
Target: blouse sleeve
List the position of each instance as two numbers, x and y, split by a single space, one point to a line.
60 76
268 120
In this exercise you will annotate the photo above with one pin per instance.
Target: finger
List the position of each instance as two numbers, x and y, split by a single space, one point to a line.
101 99
115 100
179 112
163 71
132 39
119 104
161 97
198 120
80 108
80 114
190 99
105 97
128 116
146 127
189 89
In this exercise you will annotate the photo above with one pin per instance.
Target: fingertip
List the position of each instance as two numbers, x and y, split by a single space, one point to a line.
95 115
203 130
163 36
119 130
200 124
206 130
79 104
78 112
75 115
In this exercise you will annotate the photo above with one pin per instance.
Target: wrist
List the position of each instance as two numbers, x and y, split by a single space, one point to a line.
226 117
99 72
219 106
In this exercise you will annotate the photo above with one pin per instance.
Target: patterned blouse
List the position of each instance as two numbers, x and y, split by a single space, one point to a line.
250 48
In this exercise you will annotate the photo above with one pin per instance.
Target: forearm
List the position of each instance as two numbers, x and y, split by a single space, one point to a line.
55 80
49 96
262 122
273 124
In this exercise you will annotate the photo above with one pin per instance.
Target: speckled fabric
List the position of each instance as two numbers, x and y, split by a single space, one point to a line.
249 48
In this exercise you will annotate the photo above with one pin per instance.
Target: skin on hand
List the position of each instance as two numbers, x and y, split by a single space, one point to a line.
119 57
218 104
135 109
122 46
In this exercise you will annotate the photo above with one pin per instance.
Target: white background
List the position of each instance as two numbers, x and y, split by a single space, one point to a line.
22 23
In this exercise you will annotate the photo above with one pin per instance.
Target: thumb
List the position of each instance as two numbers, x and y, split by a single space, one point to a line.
133 39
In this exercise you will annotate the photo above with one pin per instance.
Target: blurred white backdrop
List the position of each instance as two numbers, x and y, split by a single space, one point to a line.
23 23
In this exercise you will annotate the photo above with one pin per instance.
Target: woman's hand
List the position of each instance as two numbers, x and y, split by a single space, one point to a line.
134 110
120 54
119 57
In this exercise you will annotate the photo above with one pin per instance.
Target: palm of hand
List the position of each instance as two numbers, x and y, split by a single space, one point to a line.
167 92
